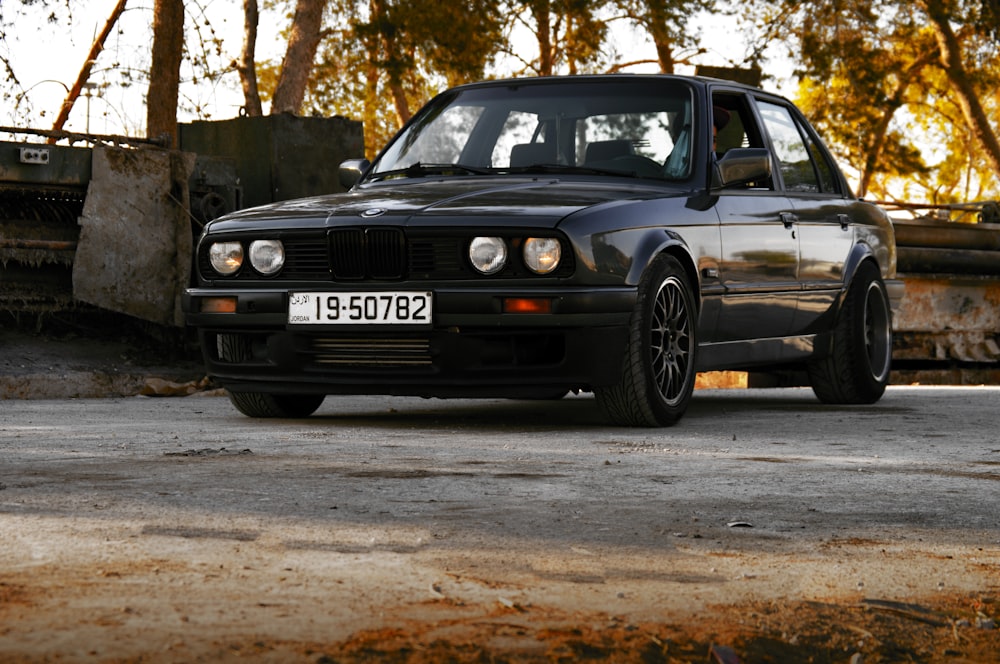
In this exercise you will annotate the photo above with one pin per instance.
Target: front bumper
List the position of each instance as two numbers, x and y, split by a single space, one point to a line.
471 349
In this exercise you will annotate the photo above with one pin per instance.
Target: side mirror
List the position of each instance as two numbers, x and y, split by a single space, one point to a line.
351 171
742 165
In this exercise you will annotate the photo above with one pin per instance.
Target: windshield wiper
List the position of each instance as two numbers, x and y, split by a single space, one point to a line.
419 170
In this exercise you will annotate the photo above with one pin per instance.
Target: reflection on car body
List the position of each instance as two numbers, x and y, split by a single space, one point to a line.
531 237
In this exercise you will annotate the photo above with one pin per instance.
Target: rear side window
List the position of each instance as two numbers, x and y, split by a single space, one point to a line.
827 181
804 167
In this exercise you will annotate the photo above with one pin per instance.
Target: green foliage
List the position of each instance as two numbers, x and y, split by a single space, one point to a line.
382 59
871 80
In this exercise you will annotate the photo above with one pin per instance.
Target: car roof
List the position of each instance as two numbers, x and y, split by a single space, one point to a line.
697 81
594 78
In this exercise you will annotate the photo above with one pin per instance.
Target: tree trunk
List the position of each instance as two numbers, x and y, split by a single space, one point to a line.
399 101
247 64
297 65
165 70
951 62
655 22
543 23
664 49
370 118
390 59
372 77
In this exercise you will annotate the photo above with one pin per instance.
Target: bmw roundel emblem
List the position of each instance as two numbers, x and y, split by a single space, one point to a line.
373 212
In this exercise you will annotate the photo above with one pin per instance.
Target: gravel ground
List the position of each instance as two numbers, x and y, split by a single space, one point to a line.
763 528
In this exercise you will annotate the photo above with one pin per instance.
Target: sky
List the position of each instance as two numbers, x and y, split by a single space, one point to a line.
47 59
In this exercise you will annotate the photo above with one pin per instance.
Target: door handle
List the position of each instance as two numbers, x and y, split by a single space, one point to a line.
788 219
845 221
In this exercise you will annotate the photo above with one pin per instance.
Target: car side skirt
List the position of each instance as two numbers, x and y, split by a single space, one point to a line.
737 355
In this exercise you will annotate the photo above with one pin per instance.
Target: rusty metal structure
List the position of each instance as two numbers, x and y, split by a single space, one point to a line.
42 190
948 327
64 208
108 222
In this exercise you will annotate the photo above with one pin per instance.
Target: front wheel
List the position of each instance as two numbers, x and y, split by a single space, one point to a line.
857 369
236 348
263 404
658 376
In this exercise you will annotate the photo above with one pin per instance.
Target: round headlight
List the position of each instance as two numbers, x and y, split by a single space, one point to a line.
488 254
226 257
541 254
267 256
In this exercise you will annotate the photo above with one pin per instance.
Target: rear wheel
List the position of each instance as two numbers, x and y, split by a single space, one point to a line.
658 376
235 348
857 369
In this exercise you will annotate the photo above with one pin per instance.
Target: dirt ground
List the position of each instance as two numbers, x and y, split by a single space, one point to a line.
102 559
94 356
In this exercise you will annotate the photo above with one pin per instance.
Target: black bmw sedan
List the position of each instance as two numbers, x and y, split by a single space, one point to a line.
527 238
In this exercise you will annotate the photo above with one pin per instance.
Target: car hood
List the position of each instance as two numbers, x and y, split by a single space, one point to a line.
537 201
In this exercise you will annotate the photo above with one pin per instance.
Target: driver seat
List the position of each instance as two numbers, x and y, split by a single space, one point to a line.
608 150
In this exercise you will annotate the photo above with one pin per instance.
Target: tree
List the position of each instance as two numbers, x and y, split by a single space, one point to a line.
569 34
164 72
952 61
303 40
667 22
246 67
95 50
380 59
881 79
390 52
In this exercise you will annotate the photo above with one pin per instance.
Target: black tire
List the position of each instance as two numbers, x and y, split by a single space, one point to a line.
237 347
857 369
262 404
658 376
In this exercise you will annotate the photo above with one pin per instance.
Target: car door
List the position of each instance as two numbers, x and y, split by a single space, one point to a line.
822 211
760 252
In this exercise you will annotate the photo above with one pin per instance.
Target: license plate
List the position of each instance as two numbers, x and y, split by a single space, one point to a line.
378 308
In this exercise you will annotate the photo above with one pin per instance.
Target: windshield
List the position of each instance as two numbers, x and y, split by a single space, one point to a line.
633 128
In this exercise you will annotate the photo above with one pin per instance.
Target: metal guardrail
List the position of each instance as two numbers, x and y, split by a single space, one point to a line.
986 212
93 139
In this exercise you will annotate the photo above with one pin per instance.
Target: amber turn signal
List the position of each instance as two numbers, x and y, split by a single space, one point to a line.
218 305
527 305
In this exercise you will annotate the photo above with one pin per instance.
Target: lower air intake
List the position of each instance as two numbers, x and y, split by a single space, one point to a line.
371 352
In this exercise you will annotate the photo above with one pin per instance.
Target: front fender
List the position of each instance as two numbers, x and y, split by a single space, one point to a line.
622 257
652 244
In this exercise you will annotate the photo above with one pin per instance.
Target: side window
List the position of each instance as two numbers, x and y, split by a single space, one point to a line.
797 168
730 123
736 127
